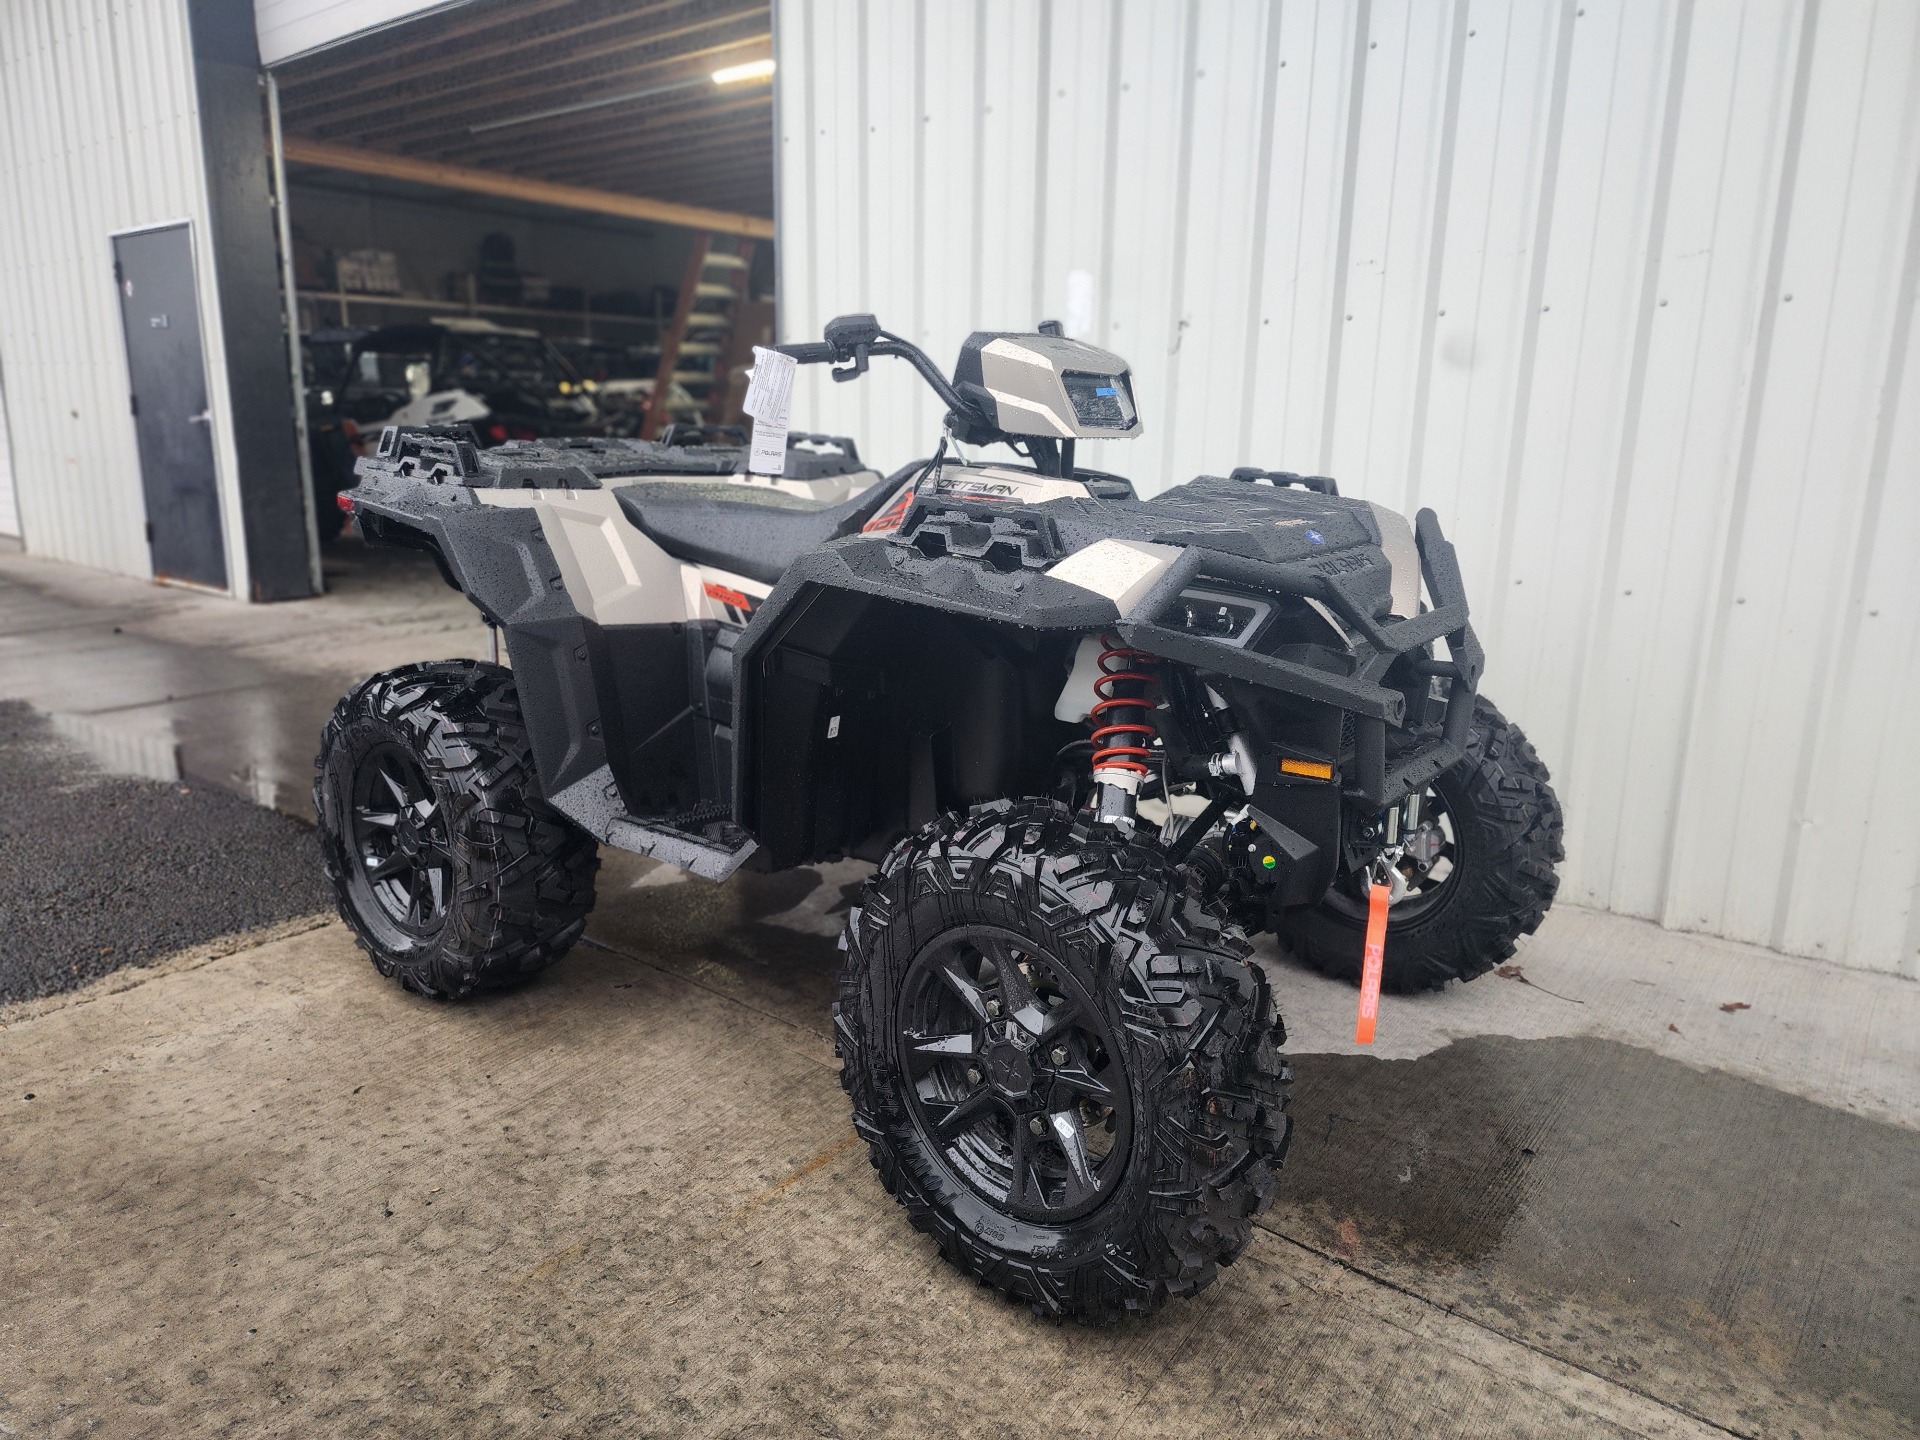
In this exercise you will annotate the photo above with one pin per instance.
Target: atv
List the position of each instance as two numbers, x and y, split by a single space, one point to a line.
1089 741
504 384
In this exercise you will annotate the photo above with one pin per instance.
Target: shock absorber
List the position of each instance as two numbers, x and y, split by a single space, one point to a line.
1123 729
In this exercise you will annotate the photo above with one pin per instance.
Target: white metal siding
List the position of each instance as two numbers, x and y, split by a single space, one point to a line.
98 133
1624 289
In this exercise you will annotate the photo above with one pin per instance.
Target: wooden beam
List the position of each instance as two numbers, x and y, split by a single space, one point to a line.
520 187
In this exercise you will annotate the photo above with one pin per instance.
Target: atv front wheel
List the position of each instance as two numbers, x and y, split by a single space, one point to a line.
1494 838
1062 1063
448 867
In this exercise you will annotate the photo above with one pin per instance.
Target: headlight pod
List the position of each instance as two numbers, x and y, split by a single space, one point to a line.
1103 401
1217 615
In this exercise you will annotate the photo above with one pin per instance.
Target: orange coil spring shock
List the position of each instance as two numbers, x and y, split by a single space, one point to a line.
1122 713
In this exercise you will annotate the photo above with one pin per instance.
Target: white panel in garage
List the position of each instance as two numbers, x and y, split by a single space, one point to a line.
1624 289
294 27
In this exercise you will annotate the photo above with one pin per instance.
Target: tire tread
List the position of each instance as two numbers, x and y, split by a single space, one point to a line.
1192 999
525 874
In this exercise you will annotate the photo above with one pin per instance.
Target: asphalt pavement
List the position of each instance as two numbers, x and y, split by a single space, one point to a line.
99 870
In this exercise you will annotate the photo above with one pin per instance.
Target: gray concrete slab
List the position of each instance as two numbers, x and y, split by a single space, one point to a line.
272 1195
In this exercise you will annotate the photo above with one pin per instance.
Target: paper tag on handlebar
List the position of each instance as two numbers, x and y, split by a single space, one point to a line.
1370 964
769 393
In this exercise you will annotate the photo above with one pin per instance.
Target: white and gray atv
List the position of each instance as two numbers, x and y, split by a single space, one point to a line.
1089 740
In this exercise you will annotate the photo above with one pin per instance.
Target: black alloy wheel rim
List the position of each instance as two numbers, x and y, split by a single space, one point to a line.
401 849
1012 1075
1431 877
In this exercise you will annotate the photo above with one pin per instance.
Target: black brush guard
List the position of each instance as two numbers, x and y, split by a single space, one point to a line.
1376 646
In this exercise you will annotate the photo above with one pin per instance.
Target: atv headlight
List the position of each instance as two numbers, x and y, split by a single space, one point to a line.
1217 615
1100 400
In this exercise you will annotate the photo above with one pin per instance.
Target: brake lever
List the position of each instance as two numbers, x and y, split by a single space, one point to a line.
856 368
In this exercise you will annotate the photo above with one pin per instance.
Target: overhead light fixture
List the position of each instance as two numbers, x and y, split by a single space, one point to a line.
728 75
740 74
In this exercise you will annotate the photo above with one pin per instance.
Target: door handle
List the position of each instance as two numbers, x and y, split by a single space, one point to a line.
205 417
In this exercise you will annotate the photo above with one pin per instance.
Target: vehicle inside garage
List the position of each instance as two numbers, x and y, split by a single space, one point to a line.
526 219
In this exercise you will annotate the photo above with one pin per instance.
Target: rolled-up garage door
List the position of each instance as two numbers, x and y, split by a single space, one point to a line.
294 27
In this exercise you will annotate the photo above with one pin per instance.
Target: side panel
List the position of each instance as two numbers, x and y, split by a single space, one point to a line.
661 678
859 718
613 573
655 741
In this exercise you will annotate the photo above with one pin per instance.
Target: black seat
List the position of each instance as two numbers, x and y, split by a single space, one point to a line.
748 529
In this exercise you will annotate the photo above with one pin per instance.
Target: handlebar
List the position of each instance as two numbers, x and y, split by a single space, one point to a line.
807 352
851 339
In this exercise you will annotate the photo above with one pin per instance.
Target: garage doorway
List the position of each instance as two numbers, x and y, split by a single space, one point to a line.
167 374
533 217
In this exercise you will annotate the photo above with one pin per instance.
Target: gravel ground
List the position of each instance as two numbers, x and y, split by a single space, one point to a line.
98 871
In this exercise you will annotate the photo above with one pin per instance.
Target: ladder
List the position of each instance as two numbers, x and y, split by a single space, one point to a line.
694 349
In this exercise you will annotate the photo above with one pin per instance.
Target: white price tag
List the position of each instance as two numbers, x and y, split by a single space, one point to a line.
769 392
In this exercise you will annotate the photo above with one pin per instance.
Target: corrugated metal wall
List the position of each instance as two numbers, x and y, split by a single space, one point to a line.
98 133
1624 289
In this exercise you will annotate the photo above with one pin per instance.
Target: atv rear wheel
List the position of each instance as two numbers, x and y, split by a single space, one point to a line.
1063 1064
448 867
1498 837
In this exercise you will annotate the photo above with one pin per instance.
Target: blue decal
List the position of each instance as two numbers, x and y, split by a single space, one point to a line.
1106 390
1314 537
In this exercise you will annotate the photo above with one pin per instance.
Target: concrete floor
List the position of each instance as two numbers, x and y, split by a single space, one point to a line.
260 1191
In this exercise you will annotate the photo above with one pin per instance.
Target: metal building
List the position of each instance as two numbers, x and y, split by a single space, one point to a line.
150 408
131 142
1623 289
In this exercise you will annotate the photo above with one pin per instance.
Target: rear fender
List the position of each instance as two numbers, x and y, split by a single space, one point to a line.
500 560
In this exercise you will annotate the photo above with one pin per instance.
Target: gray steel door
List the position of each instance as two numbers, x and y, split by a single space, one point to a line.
161 314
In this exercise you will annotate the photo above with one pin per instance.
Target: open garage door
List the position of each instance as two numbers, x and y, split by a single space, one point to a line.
290 28
547 217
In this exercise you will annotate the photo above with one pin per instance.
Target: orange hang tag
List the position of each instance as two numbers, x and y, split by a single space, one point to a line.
1370 965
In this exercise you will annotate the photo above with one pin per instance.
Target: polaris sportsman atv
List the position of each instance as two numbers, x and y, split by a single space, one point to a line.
1089 741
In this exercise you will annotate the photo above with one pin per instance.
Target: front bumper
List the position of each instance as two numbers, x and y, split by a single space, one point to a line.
1376 646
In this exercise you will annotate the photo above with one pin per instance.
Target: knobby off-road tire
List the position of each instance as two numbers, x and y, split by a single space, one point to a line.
1013 945
1506 840
451 871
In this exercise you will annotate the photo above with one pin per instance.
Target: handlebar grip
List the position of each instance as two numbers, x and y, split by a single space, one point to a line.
808 352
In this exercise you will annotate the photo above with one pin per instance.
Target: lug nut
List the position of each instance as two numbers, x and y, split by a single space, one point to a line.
993 1007
1059 1054
973 1076
1035 1126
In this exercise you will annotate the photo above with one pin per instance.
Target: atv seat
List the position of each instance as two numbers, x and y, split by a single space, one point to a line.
748 529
